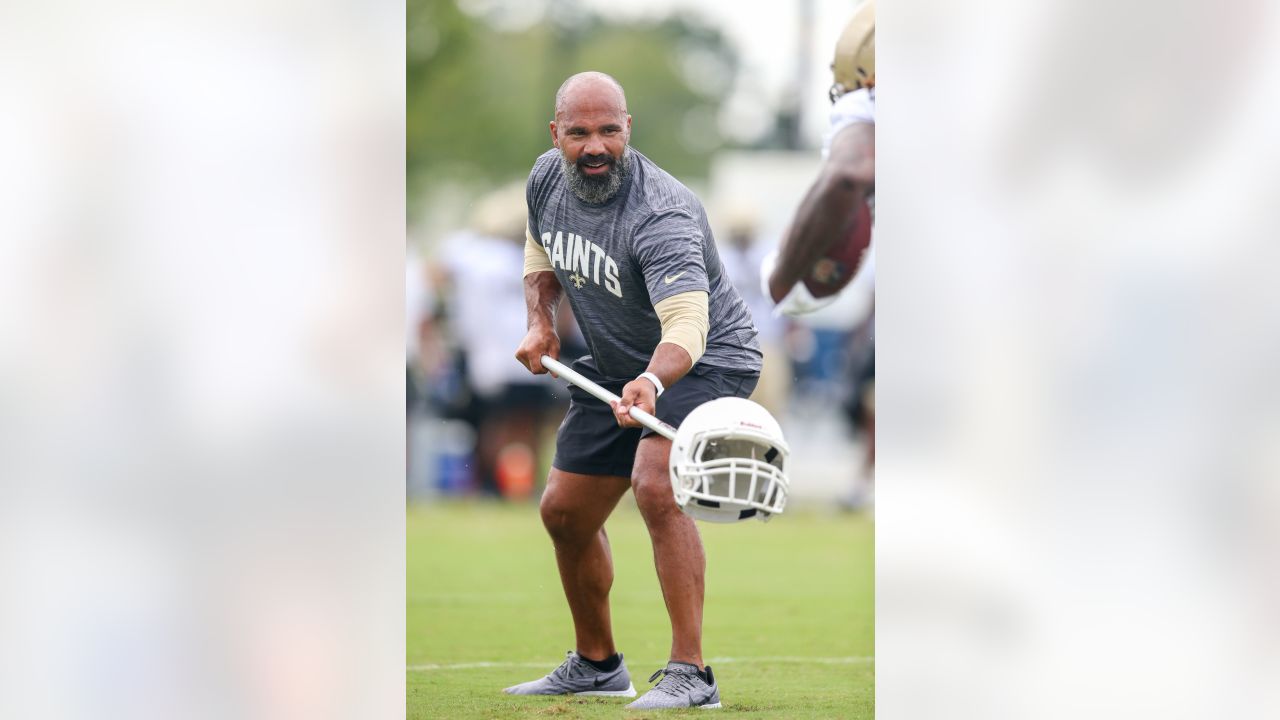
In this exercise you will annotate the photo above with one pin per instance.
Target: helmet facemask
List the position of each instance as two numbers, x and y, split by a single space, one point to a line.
732 474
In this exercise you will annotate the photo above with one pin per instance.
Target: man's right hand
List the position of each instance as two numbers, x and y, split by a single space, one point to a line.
538 342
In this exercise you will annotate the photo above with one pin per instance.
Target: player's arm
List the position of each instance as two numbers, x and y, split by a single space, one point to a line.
847 176
685 322
542 293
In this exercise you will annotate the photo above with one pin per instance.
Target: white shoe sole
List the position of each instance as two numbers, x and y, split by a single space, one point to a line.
712 706
628 693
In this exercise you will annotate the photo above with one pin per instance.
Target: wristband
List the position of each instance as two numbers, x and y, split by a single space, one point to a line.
657 384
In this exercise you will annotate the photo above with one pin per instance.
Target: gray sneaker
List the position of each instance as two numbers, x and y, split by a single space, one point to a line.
681 687
578 677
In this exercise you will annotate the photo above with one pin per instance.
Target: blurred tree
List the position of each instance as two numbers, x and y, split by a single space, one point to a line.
479 98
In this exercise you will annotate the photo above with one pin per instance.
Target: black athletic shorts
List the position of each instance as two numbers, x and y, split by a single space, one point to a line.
591 443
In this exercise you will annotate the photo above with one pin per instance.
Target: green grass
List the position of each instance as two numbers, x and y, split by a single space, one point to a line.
483 588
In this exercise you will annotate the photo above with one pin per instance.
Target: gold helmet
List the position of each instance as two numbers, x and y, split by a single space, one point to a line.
854 66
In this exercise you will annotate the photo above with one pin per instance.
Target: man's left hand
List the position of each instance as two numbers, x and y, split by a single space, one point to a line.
640 393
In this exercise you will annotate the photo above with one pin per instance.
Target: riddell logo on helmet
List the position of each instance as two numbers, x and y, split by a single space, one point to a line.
744 423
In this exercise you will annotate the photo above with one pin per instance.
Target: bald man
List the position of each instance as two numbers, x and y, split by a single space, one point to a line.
631 247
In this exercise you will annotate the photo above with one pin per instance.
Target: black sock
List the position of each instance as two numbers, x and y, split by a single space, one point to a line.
608 664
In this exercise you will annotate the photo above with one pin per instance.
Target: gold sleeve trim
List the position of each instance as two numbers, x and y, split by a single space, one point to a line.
535 258
685 321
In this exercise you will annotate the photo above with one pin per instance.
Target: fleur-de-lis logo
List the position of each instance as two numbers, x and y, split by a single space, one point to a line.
577 280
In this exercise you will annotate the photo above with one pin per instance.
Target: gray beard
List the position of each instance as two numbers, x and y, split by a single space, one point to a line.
592 189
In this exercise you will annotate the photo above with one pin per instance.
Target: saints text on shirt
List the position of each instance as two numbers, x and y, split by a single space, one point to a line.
581 257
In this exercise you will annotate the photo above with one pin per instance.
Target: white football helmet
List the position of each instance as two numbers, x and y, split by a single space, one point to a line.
729 461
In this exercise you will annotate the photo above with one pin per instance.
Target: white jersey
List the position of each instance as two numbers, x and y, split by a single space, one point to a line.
858 106
487 308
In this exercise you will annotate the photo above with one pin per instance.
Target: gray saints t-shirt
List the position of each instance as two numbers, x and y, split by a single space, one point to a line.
616 260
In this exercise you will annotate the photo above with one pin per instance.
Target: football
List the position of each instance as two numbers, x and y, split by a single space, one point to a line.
839 263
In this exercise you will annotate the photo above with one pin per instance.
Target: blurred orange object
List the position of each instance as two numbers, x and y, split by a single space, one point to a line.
515 471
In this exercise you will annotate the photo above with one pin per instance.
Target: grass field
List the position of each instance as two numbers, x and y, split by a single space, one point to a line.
788 623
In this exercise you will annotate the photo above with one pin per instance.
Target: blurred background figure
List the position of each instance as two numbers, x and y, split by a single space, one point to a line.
419 326
826 255
507 408
742 250
424 358
860 409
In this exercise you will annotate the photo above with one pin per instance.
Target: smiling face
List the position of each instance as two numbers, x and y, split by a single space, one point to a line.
592 129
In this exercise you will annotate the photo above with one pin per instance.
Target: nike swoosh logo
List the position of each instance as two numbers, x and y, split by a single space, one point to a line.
672 278
598 681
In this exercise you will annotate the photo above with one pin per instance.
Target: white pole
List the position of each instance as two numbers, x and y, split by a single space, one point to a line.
573 376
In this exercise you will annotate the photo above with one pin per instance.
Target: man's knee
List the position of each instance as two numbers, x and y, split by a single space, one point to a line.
653 494
561 520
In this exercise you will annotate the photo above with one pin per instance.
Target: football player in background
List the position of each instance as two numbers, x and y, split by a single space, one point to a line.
801 277
829 240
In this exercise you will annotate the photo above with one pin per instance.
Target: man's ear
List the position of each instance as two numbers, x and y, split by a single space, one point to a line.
555 140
